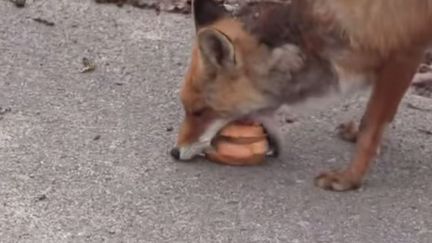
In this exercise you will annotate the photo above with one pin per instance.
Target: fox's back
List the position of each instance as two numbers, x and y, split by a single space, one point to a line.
381 25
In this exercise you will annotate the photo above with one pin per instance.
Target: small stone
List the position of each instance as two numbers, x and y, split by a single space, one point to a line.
3 111
42 197
20 3
289 120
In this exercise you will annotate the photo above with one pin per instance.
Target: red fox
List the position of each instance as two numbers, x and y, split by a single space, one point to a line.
273 54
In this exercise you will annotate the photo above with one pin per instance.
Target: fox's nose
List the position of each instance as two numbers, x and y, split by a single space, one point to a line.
175 153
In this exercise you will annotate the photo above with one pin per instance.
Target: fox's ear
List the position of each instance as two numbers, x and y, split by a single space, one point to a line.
206 12
217 50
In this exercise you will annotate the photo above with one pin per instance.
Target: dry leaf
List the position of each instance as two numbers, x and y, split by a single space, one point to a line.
89 66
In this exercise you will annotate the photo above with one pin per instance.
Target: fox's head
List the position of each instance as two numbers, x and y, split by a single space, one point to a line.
228 78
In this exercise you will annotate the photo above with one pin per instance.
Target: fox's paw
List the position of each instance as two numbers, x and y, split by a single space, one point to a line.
337 181
287 58
348 131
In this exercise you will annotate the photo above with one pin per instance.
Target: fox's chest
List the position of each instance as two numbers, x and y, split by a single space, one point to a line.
322 86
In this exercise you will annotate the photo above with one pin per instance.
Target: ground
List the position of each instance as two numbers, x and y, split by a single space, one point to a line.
84 156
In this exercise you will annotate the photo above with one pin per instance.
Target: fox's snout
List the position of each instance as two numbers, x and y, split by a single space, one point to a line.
196 136
188 151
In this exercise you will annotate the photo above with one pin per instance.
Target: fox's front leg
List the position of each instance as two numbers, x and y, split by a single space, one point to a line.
393 81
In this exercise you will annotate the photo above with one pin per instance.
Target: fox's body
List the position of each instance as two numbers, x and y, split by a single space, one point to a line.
288 54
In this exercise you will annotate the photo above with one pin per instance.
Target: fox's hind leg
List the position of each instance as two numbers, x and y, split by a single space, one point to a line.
349 131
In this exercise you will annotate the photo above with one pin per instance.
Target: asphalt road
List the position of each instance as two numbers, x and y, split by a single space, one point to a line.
84 156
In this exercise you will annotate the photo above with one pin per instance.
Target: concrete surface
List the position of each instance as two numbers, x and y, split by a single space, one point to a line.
84 156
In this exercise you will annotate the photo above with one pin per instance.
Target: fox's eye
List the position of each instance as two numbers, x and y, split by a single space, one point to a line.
198 112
